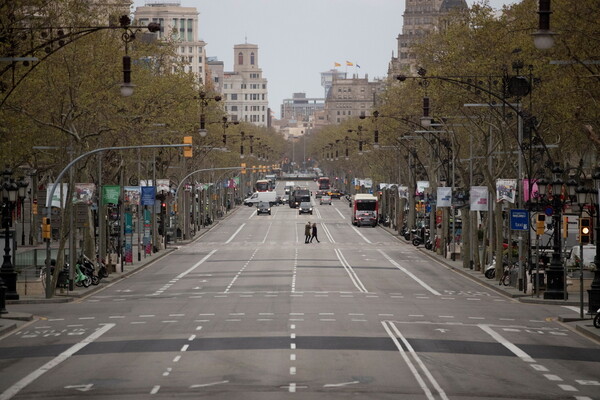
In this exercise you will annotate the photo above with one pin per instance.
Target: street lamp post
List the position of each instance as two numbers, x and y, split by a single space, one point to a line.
555 273
8 276
594 291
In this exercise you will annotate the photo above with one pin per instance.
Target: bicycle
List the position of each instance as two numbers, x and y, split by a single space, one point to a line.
506 276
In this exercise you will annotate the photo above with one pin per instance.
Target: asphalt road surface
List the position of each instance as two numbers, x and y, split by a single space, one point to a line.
250 311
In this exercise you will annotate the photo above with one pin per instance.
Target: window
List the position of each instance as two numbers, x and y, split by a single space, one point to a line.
200 59
190 49
233 96
240 58
216 79
234 108
190 35
251 58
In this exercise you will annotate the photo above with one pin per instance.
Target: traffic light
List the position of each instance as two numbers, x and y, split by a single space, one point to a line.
243 165
540 226
585 230
46 228
187 151
224 140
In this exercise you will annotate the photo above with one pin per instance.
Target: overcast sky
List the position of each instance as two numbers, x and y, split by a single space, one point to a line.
299 39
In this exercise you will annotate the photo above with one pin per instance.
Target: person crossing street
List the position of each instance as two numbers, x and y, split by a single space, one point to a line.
307 232
314 233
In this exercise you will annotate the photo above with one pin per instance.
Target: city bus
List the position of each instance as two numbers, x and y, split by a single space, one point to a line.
365 209
262 185
324 183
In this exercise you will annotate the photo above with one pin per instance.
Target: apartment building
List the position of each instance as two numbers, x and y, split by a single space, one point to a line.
244 89
181 25
300 107
350 98
420 17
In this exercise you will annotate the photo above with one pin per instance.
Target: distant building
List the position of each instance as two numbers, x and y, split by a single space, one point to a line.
179 24
216 71
300 107
420 18
350 98
244 90
327 79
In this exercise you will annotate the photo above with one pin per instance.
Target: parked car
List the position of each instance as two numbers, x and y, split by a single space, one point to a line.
263 208
305 208
325 200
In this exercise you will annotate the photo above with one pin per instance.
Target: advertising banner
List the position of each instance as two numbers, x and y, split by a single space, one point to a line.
148 195
421 186
129 237
59 198
534 189
110 194
444 197
131 195
162 185
403 192
84 193
147 230
479 198
506 189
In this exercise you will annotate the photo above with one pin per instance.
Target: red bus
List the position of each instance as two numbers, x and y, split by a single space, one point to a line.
324 183
263 185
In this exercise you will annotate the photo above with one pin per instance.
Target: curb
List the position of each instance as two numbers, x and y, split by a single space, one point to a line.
4 329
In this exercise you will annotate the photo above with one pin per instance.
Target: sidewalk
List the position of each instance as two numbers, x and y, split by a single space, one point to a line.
13 320
584 326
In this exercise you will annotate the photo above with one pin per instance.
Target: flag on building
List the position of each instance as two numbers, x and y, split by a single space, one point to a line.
335 64
349 64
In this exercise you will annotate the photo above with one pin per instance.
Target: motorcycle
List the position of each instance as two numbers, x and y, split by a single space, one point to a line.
597 319
418 239
490 270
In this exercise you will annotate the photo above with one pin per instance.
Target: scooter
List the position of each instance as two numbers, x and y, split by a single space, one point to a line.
418 240
597 319
490 270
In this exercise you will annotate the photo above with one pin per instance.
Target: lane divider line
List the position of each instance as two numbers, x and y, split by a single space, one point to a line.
235 233
206 257
413 276
360 234
23 383
355 280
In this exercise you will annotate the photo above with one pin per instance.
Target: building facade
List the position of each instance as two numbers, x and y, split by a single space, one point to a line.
300 107
244 89
420 17
351 98
179 24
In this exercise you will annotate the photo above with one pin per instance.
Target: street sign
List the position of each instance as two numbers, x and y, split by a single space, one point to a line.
519 220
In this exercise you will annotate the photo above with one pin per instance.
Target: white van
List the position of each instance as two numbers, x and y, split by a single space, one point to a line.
257 197
589 251
289 186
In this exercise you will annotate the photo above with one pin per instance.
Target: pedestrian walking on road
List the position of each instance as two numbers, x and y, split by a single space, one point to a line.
314 233
307 232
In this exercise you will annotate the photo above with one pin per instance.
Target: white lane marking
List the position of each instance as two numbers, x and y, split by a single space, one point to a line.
250 217
591 383
206 257
292 370
568 388
360 234
192 337
408 362
235 233
327 232
551 377
176 359
185 347
341 384
155 389
208 384
292 388
539 368
413 276
240 272
339 212
267 234
572 308
355 280
23 383
510 346
292 357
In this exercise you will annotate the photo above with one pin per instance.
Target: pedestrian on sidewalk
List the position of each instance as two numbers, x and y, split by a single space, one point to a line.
314 233
307 232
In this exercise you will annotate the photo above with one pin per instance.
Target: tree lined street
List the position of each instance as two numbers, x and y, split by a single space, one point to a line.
251 311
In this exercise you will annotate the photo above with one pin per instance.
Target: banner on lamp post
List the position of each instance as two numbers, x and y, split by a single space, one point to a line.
444 197
479 196
131 195
148 195
506 189
403 192
111 194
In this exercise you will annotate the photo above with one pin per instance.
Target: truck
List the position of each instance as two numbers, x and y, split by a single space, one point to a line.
289 186
298 196
365 209
257 197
